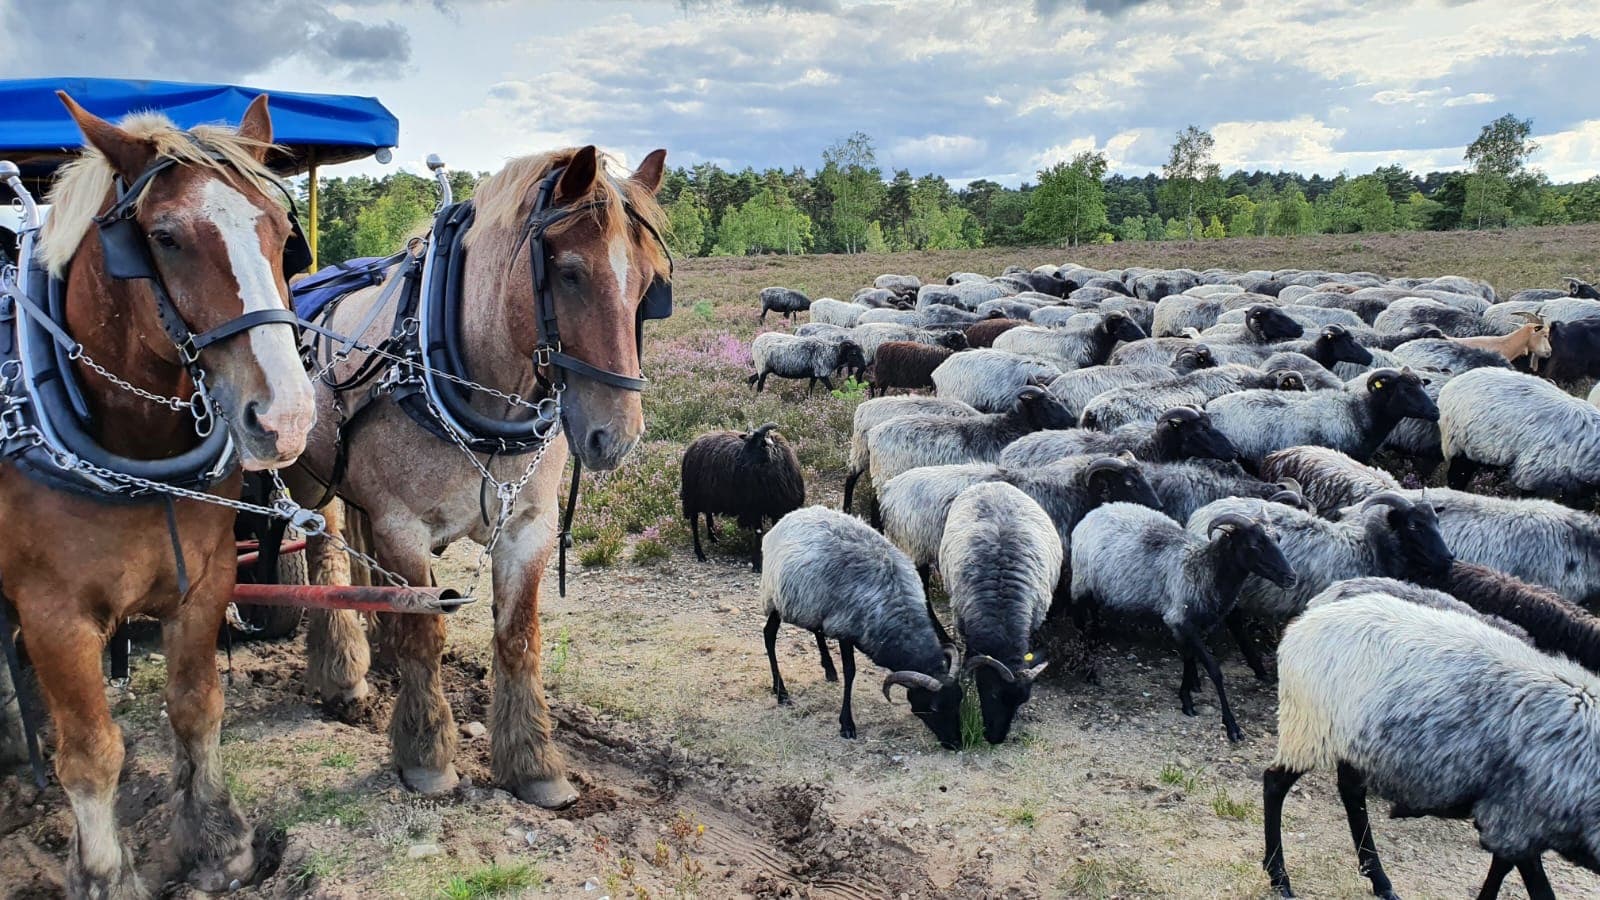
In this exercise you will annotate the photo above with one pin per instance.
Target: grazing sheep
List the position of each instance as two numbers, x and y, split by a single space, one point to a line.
1085 342
1183 487
1008 307
988 380
1309 375
1373 687
1547 439
1180 433
1367 307
753 476
899 284
833 576
1329 479
1144 404
793 356
908 317
999 561
1452 320
1133 560
946 317
1538 541
834 312
877 298
1422 596
872 413
783 300
906 364
1387 535
964 277
1158 285
1333 344
921 440
874 335
981 334
1311 318
835 333
1581 289
967 294
1076 388
1448 355
1263 325
1354 421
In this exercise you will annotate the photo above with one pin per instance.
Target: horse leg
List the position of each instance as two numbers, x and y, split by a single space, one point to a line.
523 757
212 839
422 730
337 654
88 750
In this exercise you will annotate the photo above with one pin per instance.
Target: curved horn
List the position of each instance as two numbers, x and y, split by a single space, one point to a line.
1388 498
952 660
761 430
1228 520
910 679
983 659
1106 464
1292 484
1029 674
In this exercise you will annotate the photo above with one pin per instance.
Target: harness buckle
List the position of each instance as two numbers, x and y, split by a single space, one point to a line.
541 354
188 352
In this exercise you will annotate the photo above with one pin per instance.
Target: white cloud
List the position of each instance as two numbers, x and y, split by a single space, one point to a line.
940 148
1475 99
1569 155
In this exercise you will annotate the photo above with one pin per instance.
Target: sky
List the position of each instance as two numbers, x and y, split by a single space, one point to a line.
997 89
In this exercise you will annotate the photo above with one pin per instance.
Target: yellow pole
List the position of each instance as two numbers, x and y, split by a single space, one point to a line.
311 236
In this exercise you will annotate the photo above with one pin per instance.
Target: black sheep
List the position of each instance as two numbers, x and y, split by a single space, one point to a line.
1583 290
783 300
753 476
1553 623
906 364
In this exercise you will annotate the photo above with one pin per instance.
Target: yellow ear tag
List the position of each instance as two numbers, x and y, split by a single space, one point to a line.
1027 657
1377 385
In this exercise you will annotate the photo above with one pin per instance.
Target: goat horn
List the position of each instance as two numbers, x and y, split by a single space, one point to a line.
1389 498
1228 520
910 679
983 659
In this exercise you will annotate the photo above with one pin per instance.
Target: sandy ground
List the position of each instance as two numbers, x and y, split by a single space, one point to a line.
696 784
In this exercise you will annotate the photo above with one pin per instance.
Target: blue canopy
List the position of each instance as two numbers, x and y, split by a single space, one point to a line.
38 135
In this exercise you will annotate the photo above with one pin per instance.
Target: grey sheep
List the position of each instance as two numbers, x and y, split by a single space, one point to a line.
1183 487
1537 541
1180 433
891 316
1133 560
989 379
1452 320
830 574
1448 355
1084 342
1354 421
874 335
1548 440
834 312
1144 404
1329 480
920 440
783 300
1372 687
871 413
999 561
812 358
1078 387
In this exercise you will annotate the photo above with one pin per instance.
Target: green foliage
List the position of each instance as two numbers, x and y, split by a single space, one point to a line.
1357 205
493 880
1214 229
1583 203
1068 206
1292 215
767 223
602 551
1502 147
1239 212
1193 180
850 175
688 222
1487 203
1176 776
971 720
1228 808
851 389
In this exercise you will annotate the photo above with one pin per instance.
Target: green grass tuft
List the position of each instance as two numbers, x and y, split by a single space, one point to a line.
1228 808
1176 776
492 881
971 719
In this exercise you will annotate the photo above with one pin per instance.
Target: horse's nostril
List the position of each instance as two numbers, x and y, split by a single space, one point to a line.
600 441
252 418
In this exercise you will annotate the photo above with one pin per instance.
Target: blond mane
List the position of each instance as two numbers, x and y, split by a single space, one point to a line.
505 199
82 188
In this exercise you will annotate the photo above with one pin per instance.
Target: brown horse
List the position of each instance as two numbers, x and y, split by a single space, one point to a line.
74 567
420 493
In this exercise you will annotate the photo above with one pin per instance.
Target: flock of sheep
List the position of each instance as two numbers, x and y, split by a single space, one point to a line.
1197 448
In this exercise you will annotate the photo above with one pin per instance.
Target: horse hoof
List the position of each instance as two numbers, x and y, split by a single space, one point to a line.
548 793
125 885
226 877
351 695
430 781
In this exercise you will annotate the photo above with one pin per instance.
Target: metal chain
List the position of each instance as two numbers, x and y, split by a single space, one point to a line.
174 403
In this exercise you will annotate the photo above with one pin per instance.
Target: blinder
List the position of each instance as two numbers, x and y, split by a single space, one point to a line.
656 304
127 256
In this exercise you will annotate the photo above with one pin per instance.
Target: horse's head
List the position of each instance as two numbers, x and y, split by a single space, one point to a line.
599 262
215 236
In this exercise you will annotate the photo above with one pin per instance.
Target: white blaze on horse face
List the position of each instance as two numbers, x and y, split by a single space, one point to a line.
620 265
289 407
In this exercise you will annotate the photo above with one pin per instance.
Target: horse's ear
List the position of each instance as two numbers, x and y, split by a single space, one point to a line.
650 172
257 126
127 154
577 181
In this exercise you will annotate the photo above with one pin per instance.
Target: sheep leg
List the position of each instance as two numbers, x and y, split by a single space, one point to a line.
1191 680
1197 647
827 661
761 383
771 634
1252 655
827 383
1083 611
847 657
755 555
1499 868
1533 878
1460 472
694 529
1353 793
849 490
811 385
1275 785
711 529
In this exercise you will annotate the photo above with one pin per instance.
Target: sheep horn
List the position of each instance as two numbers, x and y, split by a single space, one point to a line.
909 679
1228 520
983 659
1030 392
1389 498
1292 484
1192 333
1028 675
762 430
1107 464
952 658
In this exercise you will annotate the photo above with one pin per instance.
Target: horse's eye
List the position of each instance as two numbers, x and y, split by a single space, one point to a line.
164 238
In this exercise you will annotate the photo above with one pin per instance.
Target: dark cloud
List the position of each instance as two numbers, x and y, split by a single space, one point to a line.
193 39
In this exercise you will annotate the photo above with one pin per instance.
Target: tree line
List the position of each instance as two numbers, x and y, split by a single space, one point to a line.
850 205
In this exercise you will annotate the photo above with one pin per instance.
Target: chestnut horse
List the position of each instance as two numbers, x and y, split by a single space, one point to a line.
74 567
421 493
